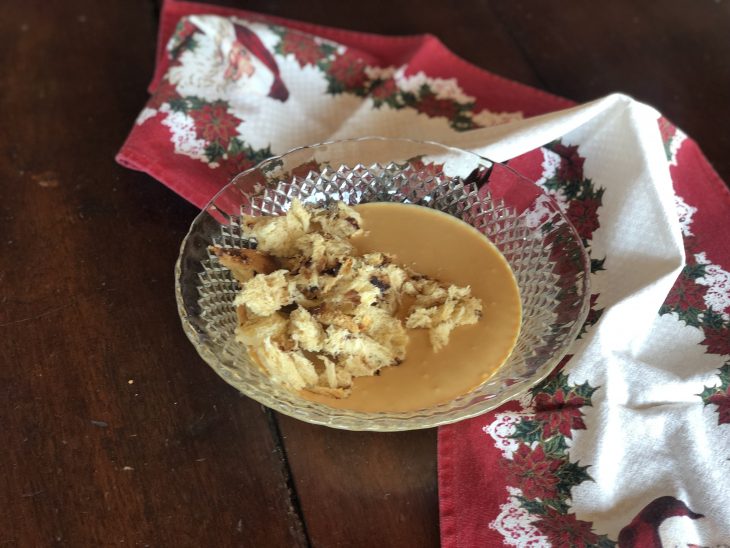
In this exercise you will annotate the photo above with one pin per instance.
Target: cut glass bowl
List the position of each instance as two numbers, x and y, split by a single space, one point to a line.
542 247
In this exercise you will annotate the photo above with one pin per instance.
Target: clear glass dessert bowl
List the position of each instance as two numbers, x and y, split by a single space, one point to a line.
527 226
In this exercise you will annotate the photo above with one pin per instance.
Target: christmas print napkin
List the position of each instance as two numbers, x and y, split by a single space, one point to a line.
628 441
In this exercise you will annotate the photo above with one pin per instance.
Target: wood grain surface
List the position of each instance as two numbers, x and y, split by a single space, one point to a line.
115 432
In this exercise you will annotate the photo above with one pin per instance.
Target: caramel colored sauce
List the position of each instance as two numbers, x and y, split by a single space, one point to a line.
449 250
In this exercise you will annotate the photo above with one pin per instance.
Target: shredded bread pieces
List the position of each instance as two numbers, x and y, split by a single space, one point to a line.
314 314
442 311
245 263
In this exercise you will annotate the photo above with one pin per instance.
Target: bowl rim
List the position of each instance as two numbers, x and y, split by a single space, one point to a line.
396 424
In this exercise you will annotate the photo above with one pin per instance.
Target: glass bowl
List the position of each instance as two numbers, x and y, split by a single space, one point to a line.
527 226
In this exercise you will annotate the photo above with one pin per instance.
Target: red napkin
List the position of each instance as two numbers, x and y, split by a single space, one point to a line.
148 147
474 475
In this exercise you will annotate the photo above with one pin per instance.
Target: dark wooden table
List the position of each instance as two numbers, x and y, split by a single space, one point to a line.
114 431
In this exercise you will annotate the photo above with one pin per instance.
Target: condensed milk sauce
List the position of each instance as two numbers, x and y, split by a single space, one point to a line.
445 248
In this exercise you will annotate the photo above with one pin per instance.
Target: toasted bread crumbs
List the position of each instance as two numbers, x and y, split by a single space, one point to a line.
313 314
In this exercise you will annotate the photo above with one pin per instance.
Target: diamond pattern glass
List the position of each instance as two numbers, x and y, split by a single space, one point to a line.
528 227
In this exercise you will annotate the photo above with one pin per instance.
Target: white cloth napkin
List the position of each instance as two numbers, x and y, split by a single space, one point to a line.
647 433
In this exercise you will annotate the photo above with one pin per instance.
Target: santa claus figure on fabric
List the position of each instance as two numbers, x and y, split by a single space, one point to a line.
222 59
245 51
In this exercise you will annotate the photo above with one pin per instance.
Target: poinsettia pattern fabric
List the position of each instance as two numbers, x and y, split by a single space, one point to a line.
597 456
235 91
627 441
